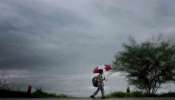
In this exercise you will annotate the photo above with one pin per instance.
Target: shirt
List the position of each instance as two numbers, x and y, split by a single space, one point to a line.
100 79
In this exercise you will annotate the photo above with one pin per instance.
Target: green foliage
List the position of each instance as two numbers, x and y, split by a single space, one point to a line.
118 94
148 64
10 93
39 93
136 94
124 94
139 94
61 96
170 94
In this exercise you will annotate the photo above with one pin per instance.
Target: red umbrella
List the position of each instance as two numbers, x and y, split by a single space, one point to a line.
96 70
106 67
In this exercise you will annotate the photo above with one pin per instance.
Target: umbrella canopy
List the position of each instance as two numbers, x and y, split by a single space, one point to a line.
106 68
96 70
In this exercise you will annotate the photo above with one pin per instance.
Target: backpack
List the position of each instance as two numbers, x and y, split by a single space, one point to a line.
94 81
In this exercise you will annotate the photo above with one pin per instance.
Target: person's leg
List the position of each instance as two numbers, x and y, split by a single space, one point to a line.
95 93
102 91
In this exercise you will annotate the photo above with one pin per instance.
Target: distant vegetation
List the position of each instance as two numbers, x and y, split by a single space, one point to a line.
139 94
7 90
124 94
4 93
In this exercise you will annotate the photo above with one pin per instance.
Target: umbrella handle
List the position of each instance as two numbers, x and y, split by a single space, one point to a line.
106 78
109 74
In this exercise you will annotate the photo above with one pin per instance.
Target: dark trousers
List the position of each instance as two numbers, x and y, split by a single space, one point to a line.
99 88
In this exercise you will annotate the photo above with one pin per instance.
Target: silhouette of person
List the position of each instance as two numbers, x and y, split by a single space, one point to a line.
100 86
29 89
128 90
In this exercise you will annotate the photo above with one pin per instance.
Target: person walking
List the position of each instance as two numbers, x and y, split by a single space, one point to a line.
100 84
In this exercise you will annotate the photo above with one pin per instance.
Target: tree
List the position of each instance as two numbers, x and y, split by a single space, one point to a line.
148 64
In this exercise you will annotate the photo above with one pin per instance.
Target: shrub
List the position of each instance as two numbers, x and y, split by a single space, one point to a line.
118 94
124 94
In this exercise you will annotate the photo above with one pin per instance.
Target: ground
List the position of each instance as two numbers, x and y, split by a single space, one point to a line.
97 99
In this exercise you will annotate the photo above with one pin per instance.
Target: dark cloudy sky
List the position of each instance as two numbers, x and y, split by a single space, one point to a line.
55 44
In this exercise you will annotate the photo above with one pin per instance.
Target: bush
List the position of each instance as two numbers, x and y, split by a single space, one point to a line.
10 93
169 94
62 96
117 94
41 93
136 94
124 94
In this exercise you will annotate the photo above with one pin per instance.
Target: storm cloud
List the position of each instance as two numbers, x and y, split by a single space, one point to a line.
53 39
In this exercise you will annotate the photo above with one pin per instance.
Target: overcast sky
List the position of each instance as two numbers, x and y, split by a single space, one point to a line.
55 44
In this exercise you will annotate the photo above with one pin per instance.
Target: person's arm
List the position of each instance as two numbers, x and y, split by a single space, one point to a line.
104 78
